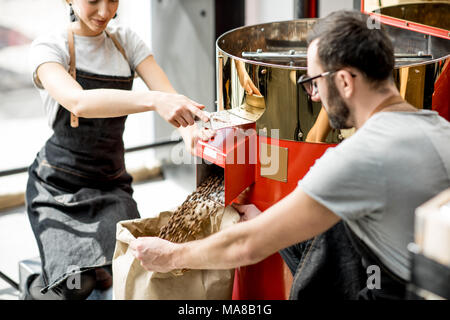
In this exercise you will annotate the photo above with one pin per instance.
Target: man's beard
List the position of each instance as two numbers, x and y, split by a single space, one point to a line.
338 111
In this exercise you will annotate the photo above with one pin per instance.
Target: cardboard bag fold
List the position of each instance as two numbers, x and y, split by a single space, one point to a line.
132 282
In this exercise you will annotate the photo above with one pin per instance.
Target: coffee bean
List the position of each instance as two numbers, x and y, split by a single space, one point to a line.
188 220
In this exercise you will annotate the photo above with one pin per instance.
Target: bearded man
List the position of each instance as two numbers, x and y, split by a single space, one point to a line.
352 215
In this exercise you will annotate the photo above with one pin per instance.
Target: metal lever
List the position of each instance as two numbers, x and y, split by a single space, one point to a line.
202 124
279 56
222 119
286 56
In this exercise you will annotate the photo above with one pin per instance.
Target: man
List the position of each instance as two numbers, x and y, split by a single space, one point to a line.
373 181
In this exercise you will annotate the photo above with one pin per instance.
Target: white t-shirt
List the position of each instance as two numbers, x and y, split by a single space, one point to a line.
96 55
376 179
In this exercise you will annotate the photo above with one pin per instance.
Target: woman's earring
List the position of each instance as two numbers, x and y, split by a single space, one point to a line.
115 16
73 17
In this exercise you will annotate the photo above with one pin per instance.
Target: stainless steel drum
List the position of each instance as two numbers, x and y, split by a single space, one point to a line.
258 68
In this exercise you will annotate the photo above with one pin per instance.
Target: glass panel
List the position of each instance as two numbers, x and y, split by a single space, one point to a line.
24 125
431 13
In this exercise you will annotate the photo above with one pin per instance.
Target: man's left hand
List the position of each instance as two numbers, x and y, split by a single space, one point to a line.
247 211
154 253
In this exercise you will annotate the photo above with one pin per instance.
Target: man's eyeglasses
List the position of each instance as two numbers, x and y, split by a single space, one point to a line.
310 85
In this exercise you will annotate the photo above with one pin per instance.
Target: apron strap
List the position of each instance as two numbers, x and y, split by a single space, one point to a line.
117 44
390 102
120 48
74 123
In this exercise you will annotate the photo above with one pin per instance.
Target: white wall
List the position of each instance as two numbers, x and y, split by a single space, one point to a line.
136 14
328 6
33 17
261 11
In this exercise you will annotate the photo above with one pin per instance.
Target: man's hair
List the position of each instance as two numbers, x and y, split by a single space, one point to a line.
345 40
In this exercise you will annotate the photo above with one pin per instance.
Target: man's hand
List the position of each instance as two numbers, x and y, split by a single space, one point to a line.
247 211
155 254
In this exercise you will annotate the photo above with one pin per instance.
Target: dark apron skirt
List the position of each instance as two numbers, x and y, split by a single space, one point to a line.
74 218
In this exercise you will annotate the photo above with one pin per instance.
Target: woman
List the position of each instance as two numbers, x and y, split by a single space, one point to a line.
78 187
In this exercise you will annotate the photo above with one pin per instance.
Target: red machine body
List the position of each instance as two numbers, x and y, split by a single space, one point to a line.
264 280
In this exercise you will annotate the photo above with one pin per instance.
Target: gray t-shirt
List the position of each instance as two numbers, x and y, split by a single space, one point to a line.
96 54
376 179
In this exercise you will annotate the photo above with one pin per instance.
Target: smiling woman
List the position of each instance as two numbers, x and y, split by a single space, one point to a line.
78 187
93 16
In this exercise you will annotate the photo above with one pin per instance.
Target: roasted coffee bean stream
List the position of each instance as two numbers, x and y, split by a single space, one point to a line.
187 222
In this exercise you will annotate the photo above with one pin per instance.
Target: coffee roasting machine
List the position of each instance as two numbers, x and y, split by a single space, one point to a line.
277 132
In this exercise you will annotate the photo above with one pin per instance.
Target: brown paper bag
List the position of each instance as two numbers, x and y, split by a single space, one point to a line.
132 282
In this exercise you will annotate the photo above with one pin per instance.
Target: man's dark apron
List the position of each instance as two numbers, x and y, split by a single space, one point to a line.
333 266
391 287
326 267
78 187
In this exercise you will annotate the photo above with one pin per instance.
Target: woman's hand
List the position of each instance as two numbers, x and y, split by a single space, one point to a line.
193 134
247 211
203 134
178 110
245 80
249 86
